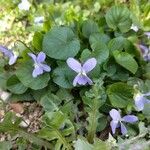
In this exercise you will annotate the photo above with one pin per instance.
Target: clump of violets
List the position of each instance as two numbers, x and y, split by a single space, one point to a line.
140 100
10 54
39 64
117 121
82 70
145 52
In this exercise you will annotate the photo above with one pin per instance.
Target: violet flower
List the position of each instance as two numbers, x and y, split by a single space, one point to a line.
10 54
145 52
39 64
148 34
117 121
82 70
140 100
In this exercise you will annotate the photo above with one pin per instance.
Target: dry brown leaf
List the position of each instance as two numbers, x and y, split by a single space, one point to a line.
17 107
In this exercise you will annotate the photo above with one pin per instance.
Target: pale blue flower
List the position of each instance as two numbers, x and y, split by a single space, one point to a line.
82 70
140 100
117 121
39 64
145 52
10 54
148 34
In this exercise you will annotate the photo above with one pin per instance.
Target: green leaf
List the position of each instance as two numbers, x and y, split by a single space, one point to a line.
63 76
50 102
22 97
100 52
89 27
98 45
15 86
120 94
147 71
146 110
86 53
2 62
98 144
102 122
98 38
82 144
5 145
126 60
58 127
142 128
116 43
147 84
37 40
24 73
38 94
61 43
93 100
118 17
10 123
34 139
64 94
3 79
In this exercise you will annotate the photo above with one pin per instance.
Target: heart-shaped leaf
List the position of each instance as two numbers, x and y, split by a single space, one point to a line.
120 94
24 73
118 17
61 43
15 86
126 60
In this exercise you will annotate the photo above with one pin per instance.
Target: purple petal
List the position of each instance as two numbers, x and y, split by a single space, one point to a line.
144 49
37 71
139 102
147 94
41 57
130 118
5 51
113 125
89 65
148 34
115 115
146 101
123 129
81 80
146 57
74 65
75 81
12 59
89 81
32 56
46 68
